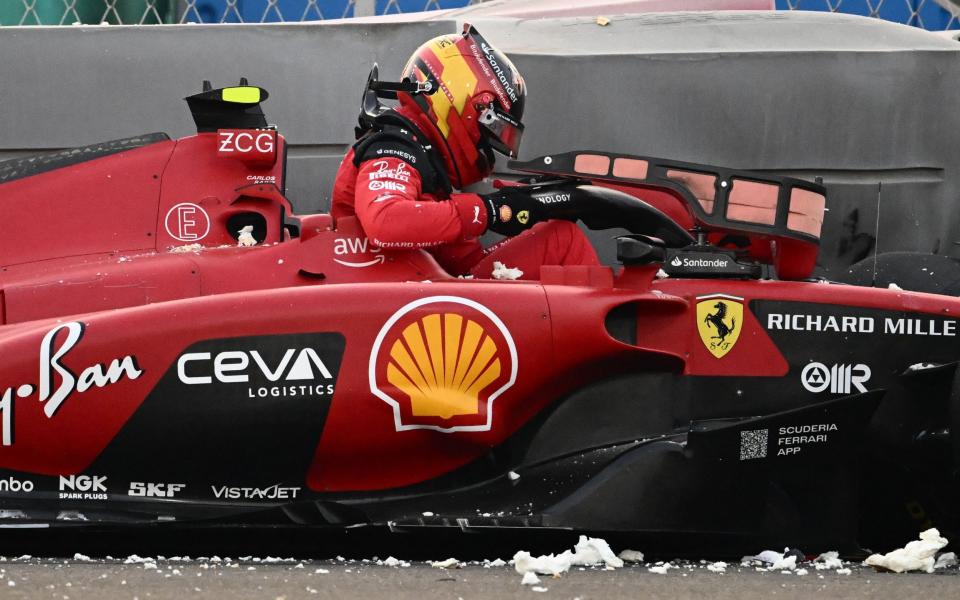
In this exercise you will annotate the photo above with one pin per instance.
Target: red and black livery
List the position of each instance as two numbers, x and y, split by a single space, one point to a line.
155 370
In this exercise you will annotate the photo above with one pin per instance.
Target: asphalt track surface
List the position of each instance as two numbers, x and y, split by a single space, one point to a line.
57 574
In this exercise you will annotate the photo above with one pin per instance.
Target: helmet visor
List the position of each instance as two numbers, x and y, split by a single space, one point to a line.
501 131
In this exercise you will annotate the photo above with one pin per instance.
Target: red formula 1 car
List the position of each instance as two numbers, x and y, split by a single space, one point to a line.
178 346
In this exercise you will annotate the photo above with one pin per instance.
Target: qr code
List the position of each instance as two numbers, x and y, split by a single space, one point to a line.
753 444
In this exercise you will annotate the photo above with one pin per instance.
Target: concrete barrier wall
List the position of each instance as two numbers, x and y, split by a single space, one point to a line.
856 101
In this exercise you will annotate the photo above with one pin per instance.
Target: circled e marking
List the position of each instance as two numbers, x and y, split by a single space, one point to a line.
187 222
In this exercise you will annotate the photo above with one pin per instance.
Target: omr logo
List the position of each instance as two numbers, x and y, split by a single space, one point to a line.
841 379
443 367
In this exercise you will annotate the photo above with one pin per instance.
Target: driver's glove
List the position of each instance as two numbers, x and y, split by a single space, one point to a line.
511 211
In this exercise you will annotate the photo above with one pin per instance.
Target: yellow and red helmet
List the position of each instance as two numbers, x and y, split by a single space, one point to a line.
478 100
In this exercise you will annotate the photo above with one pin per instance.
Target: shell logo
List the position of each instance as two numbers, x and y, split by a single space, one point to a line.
441 362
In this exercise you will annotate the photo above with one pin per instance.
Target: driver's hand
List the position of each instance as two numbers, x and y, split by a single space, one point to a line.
511 211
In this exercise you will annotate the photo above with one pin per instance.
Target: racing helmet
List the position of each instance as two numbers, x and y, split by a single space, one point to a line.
476 100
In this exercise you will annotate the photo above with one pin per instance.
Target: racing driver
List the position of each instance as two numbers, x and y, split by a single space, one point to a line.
460 100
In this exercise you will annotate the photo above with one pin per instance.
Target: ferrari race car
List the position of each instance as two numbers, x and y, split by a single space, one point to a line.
180 347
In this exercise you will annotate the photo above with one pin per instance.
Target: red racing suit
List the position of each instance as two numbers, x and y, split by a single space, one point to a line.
399 191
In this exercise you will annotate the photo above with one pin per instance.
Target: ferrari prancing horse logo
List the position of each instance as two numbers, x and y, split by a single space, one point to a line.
719 321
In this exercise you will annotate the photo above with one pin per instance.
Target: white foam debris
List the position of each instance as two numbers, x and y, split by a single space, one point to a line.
323 571
593 551
767 556
497 562
245 237
133 559
661 274
717 567
79 556
547 564
827 560
530 578
513 475
894 286
787 563
393 562
921 367
186 248
450 563
778 561
501 271
588 552
843 571
947 559
801 572
915 556
538 588
631 556
661 569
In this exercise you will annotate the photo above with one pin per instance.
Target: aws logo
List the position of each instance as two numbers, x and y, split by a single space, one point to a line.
441 362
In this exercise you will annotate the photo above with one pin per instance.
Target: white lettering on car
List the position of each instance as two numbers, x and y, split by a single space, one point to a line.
83 487
841 379
931 327
232 366
226 138
245 142
154 490
354 245
11 484
52 366
791 440
273 492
